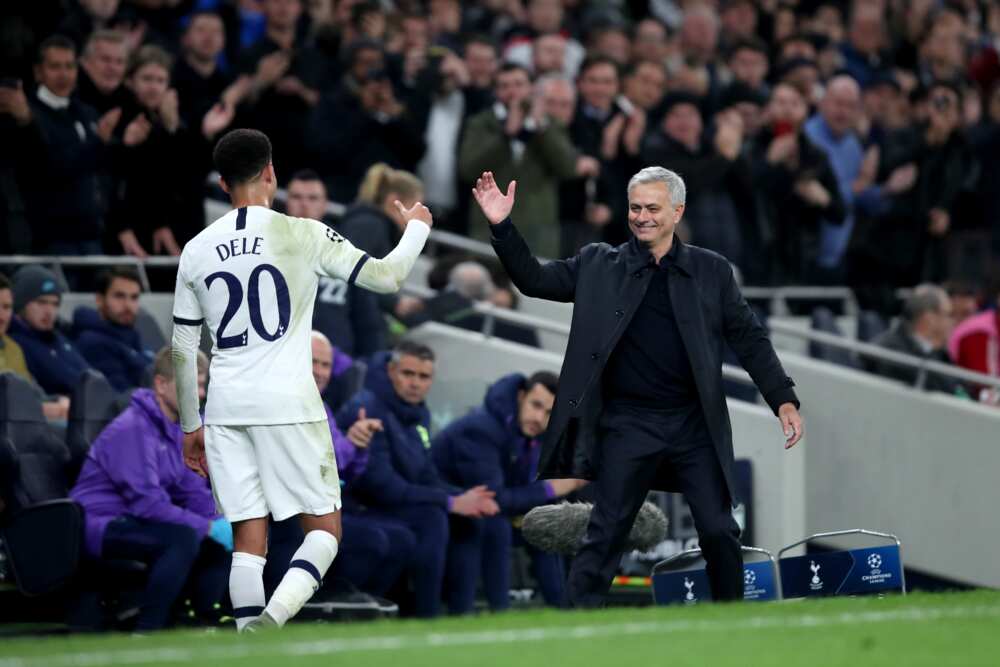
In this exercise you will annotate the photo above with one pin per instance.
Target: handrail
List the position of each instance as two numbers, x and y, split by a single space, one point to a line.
778 296
57 262
923 366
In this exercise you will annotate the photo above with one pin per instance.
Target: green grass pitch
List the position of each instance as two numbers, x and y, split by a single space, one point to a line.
961 629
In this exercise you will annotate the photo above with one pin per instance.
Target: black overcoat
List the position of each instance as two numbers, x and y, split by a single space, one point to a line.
607 285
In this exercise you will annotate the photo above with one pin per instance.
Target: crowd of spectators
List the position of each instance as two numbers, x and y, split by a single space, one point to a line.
823 141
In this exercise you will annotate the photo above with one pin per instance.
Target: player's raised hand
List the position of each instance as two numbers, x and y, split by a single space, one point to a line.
194 451
495 205
416 212
363 430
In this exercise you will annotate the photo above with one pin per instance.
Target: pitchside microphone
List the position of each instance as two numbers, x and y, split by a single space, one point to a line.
560 528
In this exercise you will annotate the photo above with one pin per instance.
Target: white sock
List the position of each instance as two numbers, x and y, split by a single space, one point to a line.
246 587
305 573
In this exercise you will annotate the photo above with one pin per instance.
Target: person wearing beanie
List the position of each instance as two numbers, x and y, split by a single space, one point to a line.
52 359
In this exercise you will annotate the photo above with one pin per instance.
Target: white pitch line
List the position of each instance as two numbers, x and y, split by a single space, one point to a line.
289 648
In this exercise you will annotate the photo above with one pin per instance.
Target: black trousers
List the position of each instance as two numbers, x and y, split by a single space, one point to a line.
636 447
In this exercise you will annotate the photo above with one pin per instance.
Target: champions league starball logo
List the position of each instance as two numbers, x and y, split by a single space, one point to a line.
876 576
334 236
749 578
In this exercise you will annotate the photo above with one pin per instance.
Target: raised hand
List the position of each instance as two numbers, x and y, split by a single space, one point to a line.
495 205
416 212
363 430
217 119
137 131
165 243
107 123
131 245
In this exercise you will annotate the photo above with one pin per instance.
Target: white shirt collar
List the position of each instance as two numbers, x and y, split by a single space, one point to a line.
51 100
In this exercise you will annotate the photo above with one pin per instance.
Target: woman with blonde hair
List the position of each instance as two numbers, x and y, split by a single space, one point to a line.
373 222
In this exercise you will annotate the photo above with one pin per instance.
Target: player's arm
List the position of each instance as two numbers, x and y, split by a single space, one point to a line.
188 319
339 258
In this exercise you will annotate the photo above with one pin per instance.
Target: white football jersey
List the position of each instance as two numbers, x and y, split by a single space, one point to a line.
251 278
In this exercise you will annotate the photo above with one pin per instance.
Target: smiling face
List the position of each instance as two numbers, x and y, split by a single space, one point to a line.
652 217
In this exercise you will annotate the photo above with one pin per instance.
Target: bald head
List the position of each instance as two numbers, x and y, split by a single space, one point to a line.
471 280
841 104
322 355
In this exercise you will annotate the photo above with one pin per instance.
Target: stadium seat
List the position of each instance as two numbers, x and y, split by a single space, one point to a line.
823 320
149 331
345 385
870 325
42 528
92 406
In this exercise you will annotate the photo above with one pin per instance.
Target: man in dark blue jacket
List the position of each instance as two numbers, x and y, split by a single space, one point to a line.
498 445
107 337
53 361
400 483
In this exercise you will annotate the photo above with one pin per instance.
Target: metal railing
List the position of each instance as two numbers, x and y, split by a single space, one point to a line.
57 262
921 365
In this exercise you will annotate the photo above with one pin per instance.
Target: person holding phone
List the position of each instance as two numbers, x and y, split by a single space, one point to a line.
518 139
796 189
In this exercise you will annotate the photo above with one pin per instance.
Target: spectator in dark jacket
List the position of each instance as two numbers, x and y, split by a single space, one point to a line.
61 145
400 483
101 82
904 241
374 224
346 314
923 333
155 149
719 210
497 445
286 76
361 123
142 503
107 337
469 283
796 188
52 359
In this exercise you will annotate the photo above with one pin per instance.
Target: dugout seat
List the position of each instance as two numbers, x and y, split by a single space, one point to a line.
92 406
342 387
41 527
149 331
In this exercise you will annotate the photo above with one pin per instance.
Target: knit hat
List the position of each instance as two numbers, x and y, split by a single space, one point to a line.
33 281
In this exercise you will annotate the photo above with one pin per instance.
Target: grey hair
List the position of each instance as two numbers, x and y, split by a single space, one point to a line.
472 280
675 184
925 298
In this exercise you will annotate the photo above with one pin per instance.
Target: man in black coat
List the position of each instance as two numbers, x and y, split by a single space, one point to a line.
640 403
